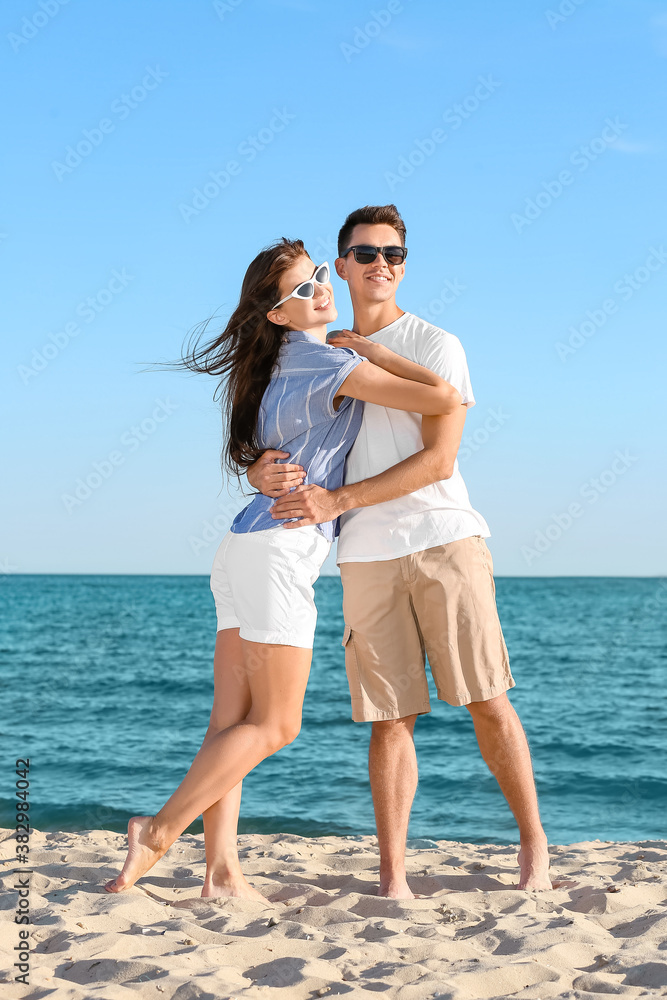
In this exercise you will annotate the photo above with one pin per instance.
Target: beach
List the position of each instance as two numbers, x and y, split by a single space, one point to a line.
324 932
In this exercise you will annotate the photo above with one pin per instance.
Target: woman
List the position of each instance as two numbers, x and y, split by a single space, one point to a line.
283 388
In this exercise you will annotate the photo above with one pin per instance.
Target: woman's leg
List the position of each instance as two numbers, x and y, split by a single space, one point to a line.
277 677
231 703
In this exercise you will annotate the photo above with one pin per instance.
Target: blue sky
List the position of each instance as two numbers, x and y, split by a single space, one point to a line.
154 148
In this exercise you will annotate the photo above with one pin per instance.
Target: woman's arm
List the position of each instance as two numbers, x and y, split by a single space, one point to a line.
391 380
273 478
314 505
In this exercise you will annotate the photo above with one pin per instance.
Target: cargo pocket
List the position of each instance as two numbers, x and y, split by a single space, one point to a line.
487 562
353 673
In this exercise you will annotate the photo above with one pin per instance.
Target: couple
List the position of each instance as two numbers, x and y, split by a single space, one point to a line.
372 422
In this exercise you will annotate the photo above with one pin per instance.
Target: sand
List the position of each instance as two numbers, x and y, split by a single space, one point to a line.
324 932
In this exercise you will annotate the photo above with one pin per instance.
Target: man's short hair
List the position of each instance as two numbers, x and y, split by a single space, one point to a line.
371 215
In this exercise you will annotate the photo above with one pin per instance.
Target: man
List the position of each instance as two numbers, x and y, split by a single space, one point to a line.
416 571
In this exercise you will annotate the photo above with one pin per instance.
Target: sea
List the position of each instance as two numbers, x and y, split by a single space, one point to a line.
107 684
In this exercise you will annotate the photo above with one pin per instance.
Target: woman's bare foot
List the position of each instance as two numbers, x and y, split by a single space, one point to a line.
230 884
143 850
533 859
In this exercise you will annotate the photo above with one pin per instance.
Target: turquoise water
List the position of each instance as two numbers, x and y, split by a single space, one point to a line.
107 687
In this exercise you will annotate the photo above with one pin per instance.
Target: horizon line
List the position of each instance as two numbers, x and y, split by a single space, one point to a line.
497 576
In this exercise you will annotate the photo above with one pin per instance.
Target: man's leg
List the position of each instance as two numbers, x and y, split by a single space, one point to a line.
504 747
384 659
392 767
456 608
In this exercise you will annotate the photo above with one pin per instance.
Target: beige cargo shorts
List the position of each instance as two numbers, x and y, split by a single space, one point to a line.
439 602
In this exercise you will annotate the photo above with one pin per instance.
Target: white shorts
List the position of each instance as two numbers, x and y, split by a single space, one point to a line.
262 582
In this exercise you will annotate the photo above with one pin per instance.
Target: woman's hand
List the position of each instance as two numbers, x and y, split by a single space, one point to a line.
274 478
362 345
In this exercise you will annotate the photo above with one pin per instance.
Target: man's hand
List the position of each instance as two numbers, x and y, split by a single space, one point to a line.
273 478
311 504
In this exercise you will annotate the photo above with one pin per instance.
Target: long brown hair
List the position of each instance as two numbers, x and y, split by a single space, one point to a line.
244 354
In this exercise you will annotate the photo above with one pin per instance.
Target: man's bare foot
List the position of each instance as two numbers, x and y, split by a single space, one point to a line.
533 859
228 884
143 851
395 888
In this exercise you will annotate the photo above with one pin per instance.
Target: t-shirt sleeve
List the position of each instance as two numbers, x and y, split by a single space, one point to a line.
340 361
443 354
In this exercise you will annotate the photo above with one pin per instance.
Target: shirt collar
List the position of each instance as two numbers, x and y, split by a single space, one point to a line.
301 336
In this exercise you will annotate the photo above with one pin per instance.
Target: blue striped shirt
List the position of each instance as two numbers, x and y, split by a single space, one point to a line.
297 415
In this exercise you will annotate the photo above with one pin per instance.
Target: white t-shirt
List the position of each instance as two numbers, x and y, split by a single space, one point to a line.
435 514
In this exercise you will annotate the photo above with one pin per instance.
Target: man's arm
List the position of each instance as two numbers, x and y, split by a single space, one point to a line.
390 380
441 436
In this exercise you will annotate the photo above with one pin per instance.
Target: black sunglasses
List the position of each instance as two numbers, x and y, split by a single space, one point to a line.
365 254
